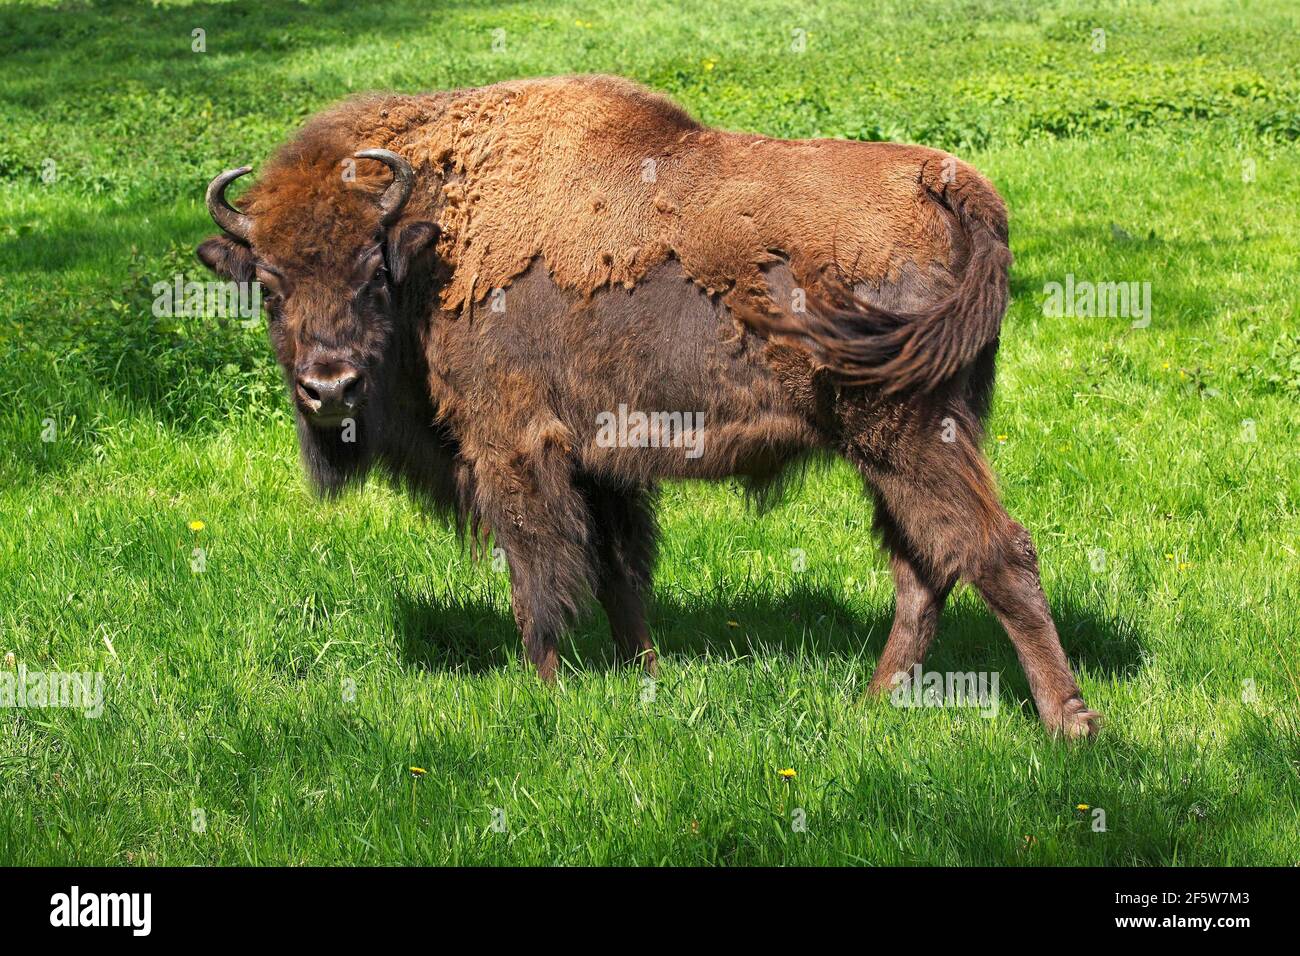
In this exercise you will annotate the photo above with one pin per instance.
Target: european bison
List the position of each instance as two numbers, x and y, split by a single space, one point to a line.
531 302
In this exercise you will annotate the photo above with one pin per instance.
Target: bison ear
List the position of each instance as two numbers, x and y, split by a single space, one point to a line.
405 244
227 257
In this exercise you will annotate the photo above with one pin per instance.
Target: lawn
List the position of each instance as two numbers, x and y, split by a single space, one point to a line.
275 666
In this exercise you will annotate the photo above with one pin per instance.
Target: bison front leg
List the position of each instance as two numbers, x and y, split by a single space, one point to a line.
539 519
539 623
626 534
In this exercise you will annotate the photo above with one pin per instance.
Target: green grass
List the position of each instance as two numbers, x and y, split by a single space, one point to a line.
226 688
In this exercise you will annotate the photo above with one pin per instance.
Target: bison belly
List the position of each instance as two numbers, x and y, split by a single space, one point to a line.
636 384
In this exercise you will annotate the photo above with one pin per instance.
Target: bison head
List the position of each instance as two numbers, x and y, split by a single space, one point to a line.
330 256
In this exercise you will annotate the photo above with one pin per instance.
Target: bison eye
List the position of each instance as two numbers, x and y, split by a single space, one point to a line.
272 302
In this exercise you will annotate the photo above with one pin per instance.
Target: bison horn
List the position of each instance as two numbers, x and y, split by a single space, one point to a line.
223 214
399 190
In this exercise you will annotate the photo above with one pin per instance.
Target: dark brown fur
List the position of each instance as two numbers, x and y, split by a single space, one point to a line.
486 403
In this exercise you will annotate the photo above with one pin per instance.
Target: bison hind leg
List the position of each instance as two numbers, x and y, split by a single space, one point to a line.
920 594
943 521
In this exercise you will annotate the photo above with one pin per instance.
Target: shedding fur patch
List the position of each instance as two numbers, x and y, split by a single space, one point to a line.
604 180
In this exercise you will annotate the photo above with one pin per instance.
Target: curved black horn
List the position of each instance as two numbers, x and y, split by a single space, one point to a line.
399 190
223 214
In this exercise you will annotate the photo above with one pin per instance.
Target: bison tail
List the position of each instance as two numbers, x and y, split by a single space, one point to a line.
864 344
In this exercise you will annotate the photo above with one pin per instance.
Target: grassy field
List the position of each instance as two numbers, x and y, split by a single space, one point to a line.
266 697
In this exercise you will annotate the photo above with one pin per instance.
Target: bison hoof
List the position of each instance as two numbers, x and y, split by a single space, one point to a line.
1074 720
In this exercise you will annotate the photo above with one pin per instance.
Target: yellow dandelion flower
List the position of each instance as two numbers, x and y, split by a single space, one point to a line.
709 64
196 526
1165 366
788 773
1082 806
1169 556
418 771
1184 565
1002 439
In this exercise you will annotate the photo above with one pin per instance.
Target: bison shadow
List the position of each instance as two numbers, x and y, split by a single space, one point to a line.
474 633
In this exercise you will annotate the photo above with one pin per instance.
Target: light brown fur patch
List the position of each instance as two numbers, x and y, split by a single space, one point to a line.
604 180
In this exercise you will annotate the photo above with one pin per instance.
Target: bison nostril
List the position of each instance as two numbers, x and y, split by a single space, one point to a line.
329 391
351 390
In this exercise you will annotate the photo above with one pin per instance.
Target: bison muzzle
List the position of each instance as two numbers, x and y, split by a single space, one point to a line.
531 303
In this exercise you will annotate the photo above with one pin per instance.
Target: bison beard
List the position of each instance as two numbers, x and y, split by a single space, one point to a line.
333 464
597 249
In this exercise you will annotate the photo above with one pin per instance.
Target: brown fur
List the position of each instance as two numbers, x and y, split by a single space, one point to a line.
565 282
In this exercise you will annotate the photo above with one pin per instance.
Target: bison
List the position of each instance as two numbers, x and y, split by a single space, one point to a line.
532 302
